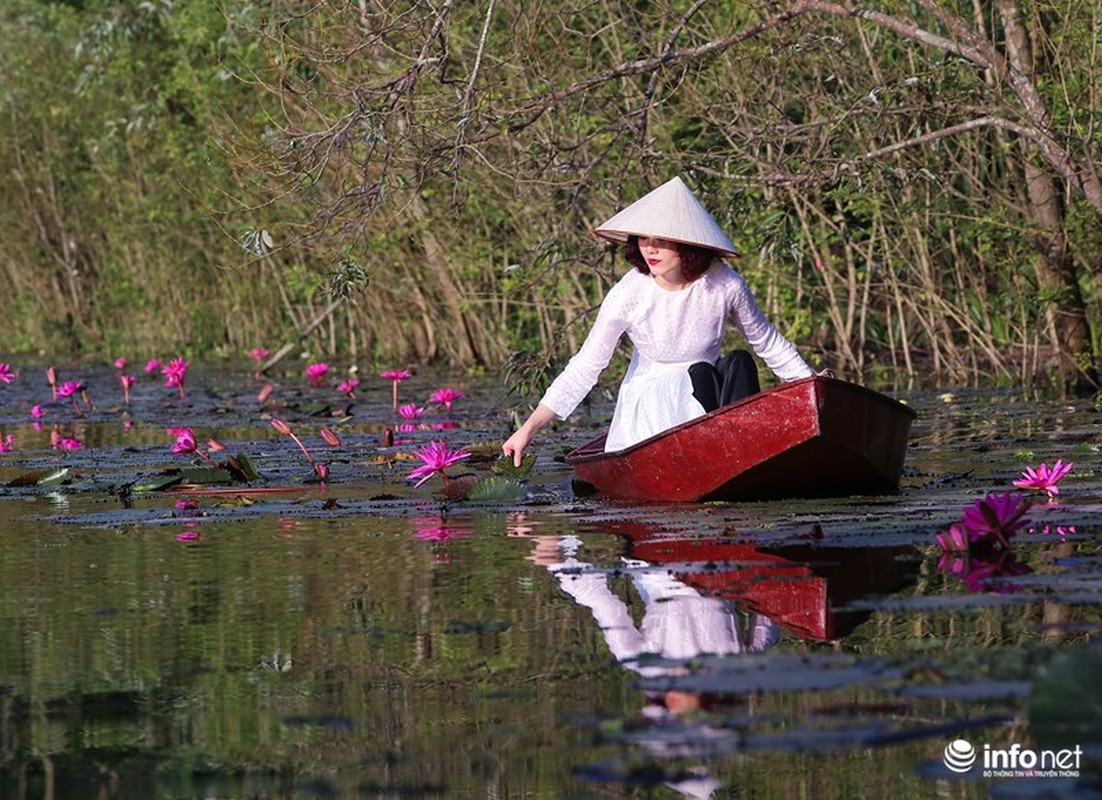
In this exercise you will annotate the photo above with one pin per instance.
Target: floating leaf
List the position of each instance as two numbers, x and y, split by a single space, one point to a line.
1065 703
41 477
157 484
496 489
241 466
482 452
504 466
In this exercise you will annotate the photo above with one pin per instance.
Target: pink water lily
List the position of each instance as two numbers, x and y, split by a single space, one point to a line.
258 354
987 525
1044 478
411 411
175 372
395 376
59 442
281 426
955 539
437 457
37 411
437 530
1062 531
71 389
127 381
978 574
152 365
187 445
6 374
348 386
7 443
315 373
996 517
185 442
445 397
120 363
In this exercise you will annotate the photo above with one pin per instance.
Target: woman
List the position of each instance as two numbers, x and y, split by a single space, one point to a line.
674 306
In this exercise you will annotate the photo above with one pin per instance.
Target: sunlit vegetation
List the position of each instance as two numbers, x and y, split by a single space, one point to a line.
415 183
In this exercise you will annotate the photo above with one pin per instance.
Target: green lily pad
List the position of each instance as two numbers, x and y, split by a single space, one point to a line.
158 483
505 466
41 477
496 489
1065 704
242 467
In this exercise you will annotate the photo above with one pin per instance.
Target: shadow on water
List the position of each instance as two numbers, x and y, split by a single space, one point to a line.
162 638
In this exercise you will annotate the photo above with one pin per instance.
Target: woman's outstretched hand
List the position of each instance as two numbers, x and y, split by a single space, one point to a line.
515 445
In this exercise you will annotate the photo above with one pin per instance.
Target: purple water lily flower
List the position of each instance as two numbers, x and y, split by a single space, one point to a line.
437 457
1044 478
997 516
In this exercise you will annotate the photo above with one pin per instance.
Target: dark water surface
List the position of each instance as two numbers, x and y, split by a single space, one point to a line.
367 639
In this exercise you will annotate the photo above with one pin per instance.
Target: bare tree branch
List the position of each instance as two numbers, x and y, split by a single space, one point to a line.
981 52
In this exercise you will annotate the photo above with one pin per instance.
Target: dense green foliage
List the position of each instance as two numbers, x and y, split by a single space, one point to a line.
184 174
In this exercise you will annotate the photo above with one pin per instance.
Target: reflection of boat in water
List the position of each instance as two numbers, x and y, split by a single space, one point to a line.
712 604
814 437
803 587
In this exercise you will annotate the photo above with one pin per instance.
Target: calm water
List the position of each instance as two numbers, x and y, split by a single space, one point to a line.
366 639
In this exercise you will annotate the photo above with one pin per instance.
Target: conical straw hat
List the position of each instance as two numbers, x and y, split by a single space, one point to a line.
669 212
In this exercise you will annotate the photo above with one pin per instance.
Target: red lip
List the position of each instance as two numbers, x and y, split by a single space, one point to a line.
653 261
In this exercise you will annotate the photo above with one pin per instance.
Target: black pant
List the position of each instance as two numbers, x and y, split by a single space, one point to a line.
732 378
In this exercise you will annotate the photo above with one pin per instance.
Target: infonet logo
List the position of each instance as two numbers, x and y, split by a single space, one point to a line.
960 756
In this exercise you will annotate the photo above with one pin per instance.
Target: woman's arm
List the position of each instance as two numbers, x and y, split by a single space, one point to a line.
580 374
779 354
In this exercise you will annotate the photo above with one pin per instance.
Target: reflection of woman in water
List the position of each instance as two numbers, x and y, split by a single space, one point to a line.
678 624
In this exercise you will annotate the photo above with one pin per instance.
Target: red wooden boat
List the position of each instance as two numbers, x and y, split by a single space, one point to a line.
815 437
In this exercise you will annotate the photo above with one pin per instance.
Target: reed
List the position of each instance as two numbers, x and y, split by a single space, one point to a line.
130 227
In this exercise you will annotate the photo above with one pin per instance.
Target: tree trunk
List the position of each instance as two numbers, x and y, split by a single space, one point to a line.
1057 271
462 340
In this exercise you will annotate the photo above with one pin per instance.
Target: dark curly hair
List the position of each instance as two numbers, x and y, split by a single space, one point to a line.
694 260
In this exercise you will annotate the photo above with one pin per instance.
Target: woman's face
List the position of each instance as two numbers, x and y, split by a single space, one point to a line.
663 260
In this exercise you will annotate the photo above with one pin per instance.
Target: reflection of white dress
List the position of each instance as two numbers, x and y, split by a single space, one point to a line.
678 624
670 330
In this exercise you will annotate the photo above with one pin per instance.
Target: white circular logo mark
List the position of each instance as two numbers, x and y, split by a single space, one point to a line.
959 755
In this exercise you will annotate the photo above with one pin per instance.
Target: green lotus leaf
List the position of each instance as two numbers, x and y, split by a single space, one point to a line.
1065 704
496 489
